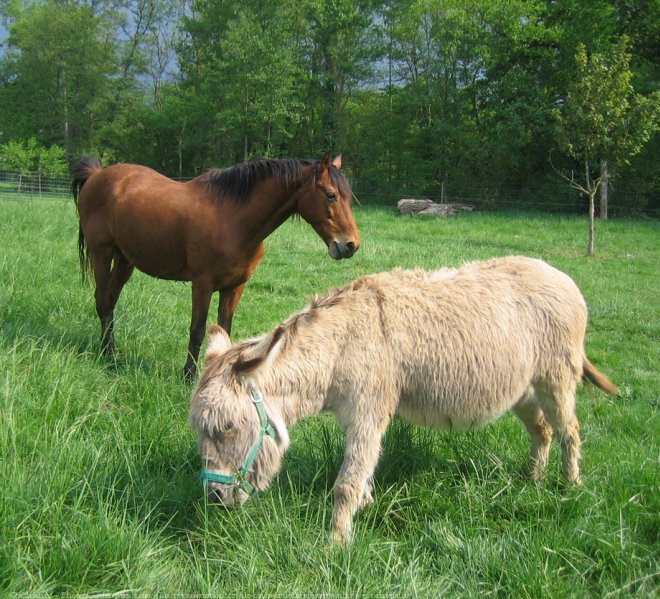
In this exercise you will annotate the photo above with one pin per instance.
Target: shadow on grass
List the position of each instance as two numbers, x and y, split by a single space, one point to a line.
416 466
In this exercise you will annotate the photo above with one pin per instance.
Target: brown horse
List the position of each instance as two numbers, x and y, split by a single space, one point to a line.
209 231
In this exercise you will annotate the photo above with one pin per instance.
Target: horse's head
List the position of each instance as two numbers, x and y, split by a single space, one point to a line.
326 205
241 437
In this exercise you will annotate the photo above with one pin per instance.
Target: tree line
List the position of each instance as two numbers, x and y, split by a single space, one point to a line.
419 95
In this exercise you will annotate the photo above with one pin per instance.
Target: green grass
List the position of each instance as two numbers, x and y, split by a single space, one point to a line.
98 468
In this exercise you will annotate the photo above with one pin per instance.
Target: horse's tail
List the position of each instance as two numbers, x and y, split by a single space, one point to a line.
591 373
83 171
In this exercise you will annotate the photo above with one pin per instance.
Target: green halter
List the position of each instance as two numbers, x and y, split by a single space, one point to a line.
240 481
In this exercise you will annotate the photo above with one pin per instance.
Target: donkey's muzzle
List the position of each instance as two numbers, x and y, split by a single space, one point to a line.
226 495
341 249
221 494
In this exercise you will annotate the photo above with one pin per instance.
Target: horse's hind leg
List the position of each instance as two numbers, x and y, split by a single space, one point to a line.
111 271
540 432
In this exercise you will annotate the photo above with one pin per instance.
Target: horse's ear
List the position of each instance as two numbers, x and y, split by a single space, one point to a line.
324 163
337 161
259 356
218 341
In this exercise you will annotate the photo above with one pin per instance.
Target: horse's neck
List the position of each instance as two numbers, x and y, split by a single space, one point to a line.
270 205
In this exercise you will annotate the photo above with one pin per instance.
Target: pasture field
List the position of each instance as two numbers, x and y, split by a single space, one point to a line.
98 467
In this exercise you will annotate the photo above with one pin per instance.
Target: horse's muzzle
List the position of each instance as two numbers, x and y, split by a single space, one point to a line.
341 249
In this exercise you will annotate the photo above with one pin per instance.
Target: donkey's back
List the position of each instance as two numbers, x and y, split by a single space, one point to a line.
466 345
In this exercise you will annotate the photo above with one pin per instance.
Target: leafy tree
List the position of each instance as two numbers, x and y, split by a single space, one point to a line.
55 71
337 55
257 74
419 94
30 156
603 119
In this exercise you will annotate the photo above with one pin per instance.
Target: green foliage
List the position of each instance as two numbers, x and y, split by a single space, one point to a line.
603 117
59 68
31 157
418 94
99 468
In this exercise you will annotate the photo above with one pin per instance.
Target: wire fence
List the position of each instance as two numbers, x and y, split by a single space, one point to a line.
39 184
551 197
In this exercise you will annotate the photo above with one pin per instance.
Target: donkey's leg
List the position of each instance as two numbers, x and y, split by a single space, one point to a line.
353 485
201 299
229 299
367 495
558 404
540 432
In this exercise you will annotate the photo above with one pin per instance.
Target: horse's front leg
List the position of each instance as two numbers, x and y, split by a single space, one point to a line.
228 301
201 299
354 484
230 296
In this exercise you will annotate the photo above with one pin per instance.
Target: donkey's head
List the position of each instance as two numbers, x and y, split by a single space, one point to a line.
242 437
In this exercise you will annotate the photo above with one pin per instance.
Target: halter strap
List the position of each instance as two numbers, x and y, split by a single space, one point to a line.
265 428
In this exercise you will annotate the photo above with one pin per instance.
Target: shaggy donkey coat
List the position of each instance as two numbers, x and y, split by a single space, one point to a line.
451 349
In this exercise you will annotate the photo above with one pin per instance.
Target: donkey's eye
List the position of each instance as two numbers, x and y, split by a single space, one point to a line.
331 195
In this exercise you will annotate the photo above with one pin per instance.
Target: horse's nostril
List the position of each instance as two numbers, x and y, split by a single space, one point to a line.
350 247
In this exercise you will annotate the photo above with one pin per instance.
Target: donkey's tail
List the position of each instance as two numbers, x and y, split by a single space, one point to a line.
83 171
591 373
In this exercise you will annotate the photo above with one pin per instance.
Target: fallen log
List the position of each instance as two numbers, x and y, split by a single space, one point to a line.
427 207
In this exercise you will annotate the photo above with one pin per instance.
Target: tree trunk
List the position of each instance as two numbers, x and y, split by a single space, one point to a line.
180 147
61 76
592 227
603 189
591 192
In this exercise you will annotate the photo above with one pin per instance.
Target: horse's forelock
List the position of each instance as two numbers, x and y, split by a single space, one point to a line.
338 179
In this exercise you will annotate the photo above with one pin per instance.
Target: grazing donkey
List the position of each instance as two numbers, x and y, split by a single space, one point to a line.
451 349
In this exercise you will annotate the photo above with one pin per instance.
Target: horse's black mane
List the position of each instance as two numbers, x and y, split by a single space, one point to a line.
238 181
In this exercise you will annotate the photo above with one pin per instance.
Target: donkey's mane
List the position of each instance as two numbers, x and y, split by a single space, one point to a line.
318 304
287 332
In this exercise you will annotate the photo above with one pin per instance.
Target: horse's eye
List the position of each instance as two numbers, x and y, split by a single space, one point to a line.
331 196
228 427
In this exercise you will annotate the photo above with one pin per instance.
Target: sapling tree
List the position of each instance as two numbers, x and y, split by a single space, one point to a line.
603 121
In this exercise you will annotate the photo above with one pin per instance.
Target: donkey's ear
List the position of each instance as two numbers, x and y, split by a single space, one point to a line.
260 355
218 341
337 161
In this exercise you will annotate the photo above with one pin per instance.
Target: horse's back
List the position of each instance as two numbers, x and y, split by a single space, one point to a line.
120 181
150 218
